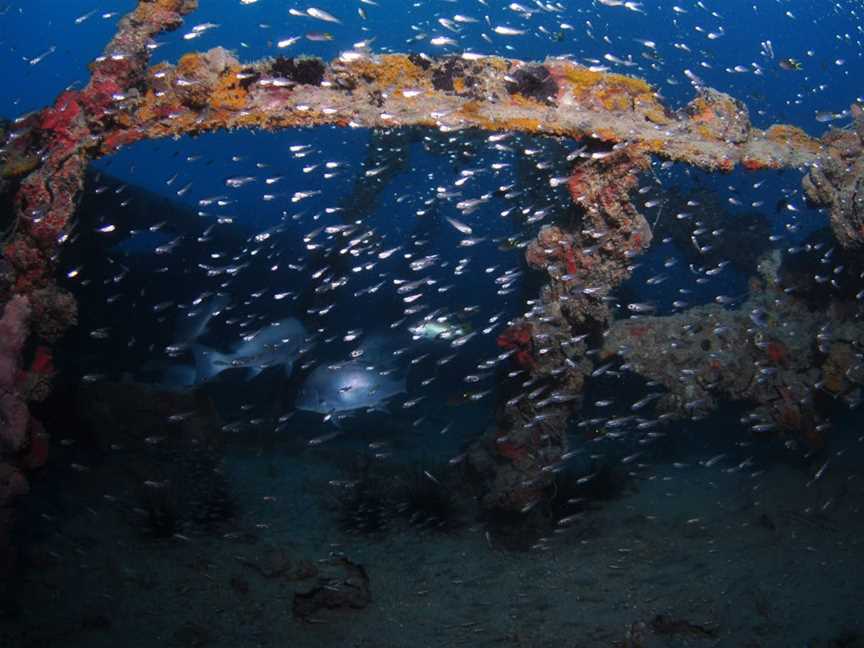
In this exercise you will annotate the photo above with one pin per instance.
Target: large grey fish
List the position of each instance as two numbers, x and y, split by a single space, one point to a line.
277 344
190 325
348 387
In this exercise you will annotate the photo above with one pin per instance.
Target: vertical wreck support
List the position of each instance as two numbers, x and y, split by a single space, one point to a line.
584 260
47 154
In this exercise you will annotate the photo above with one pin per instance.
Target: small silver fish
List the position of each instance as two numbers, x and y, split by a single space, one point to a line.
320 14
460 226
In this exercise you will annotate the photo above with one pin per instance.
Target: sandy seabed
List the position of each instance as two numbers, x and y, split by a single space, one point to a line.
690 556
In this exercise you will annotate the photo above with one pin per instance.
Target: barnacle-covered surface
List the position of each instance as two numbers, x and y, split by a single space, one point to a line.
770 350
213 90
531 436
837 181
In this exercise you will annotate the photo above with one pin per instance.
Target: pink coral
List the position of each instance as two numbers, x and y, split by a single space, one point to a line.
60 118
519 339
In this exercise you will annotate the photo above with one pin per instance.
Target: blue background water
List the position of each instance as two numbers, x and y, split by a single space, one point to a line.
831 30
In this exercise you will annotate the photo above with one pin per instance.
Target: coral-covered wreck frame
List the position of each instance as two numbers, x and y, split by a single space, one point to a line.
45 154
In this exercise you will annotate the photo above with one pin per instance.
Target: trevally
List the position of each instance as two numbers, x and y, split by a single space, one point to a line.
278 343
348 387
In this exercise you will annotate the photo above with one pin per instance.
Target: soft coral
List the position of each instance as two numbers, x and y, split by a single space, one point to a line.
519 339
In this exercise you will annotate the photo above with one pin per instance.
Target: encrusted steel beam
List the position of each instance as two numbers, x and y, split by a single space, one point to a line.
583 262
213 90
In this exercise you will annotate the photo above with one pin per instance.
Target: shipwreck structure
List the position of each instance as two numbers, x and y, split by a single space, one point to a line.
621 119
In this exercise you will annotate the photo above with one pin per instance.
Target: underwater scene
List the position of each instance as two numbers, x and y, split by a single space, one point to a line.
433 323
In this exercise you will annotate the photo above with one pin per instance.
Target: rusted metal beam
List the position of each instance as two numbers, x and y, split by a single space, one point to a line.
213 90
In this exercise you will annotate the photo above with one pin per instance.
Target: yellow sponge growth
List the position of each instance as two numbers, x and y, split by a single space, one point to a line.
229 93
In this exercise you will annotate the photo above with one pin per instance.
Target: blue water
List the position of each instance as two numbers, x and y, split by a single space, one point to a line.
831 30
